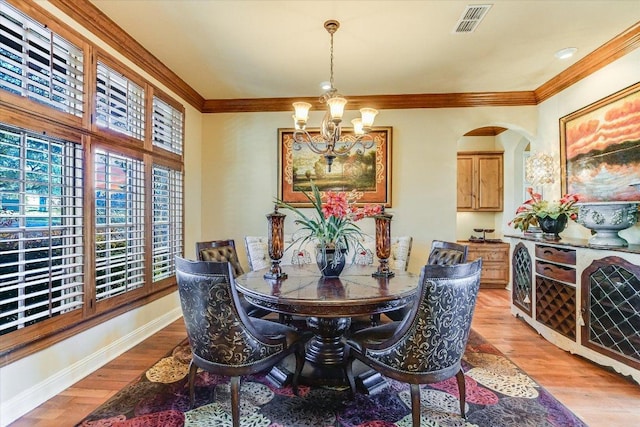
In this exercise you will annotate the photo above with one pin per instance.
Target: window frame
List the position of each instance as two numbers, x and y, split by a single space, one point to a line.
31 116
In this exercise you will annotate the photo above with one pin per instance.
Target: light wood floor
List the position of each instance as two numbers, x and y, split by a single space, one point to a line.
598 396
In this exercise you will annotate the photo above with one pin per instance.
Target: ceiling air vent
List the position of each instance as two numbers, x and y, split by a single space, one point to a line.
471 17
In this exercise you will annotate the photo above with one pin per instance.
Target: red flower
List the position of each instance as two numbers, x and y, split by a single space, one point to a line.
336 205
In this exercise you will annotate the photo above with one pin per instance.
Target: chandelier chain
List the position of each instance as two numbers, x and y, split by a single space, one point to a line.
331 62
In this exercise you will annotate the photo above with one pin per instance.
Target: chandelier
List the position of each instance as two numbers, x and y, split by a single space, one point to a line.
330 142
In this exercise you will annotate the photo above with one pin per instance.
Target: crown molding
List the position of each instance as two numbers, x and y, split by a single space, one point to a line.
616 48
90 17
381 102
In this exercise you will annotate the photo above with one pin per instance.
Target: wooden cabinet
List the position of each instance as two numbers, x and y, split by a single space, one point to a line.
480 181
585 300
495 262
611 309
556 305
522 282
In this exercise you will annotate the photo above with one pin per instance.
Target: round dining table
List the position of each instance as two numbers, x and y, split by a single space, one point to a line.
328 306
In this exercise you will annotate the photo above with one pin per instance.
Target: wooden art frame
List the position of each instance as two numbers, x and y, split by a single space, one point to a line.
365 173
600 148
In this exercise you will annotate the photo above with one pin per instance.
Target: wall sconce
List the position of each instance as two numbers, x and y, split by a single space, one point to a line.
383 243
276 244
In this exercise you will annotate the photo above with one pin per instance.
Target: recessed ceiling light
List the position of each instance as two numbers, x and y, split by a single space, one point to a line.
565 53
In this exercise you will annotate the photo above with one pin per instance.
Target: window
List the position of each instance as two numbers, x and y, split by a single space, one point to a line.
38 64
167 220
119 103
167 126
91 205
119 183
41 249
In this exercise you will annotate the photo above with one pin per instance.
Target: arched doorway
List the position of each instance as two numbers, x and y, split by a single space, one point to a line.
514 143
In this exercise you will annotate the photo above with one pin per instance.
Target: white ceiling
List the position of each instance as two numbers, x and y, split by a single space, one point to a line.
275 48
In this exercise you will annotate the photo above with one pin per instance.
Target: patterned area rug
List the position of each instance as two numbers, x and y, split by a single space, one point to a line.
498 394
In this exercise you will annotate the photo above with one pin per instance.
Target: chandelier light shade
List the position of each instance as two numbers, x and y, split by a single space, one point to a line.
331 143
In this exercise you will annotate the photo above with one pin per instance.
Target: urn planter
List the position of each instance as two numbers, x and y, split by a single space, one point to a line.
606 219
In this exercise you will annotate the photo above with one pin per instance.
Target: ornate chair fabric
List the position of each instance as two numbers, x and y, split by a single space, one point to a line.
258 252
400 252
447 253
225 251
442 253
224 340
428 345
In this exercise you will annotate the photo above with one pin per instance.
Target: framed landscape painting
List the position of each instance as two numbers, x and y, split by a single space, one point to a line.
600 149
365 173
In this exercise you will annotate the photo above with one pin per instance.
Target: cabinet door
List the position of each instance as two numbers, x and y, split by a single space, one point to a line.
480 181
465 183
490 192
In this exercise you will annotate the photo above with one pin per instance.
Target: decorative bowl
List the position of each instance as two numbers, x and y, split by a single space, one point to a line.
606 219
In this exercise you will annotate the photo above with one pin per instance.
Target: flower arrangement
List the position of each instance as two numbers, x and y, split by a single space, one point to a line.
333 226
529 212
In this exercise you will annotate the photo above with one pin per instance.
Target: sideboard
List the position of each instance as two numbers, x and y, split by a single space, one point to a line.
495 262
584 300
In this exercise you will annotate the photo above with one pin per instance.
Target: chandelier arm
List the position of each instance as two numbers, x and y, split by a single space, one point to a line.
301 136
366 141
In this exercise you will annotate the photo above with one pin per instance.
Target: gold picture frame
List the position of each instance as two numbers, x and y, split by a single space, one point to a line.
600 148
366 173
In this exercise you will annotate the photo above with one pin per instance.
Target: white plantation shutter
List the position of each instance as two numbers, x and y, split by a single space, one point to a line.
119 190
41 245
119 103
38 64
43 289
167 220
167 126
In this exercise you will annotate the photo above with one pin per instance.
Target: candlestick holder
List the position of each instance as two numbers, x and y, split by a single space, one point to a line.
276 244
383 243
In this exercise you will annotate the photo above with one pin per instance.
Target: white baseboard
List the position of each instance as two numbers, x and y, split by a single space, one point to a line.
19 405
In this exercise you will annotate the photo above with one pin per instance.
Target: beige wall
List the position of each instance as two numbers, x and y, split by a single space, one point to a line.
616 76
239 164
239 157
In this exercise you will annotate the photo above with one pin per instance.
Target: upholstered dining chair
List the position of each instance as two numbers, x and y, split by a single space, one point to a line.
223 339
365 254
447 253
428 345
442 253
220 251
294 254
225 251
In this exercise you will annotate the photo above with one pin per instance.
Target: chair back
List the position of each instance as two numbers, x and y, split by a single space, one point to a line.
400 252
221 336
429 344
220 251
447 253
294 253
